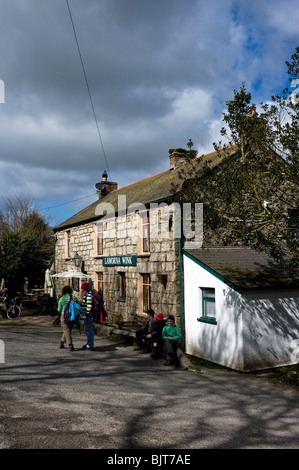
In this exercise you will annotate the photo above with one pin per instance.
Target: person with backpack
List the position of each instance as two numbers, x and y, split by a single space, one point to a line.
87 304
67 295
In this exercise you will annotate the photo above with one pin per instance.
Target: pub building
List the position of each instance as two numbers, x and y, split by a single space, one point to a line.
129 244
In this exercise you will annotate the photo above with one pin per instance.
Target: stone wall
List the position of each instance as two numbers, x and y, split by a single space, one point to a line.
121 238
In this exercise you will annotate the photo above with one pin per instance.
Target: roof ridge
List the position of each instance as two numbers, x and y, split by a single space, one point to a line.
165 171
220 150
143 190
140 181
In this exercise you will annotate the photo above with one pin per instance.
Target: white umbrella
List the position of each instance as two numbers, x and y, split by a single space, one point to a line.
48 280
69 274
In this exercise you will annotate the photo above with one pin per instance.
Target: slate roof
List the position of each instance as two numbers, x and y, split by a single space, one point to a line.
156 188
244 268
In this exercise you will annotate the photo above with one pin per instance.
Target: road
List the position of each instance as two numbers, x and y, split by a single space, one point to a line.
116 398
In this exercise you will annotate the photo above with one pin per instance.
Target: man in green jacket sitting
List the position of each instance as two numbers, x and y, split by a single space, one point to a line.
171 335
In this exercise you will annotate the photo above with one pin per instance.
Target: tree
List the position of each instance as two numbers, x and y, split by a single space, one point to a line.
25 243
190 144
251 198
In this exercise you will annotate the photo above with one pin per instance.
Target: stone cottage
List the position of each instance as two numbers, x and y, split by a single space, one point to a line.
142 250
129 241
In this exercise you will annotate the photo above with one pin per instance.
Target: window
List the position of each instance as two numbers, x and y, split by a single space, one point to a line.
144 303
75 284
99 239
68 244
144 232
99 283
208 310
122 287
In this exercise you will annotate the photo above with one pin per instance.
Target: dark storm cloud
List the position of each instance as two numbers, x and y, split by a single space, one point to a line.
159 73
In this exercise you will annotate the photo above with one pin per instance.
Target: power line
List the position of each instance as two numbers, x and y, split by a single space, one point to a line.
87 85
69 202
93 109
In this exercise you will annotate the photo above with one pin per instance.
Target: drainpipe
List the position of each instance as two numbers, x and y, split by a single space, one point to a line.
54 292
181 294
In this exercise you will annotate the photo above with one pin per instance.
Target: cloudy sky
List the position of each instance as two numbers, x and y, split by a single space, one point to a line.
159 74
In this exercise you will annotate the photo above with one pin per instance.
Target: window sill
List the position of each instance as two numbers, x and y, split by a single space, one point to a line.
210 320
121 299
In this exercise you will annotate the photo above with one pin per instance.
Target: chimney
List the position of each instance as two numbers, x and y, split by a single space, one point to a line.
105 187
177 158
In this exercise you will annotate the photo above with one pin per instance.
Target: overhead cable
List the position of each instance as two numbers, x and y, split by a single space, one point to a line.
87 85
69 202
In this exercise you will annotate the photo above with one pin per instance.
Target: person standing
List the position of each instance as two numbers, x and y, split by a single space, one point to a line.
8 298
67 294
87 304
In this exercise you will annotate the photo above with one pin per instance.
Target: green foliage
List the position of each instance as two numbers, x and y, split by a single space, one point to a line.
287 376
189 154
190 144
17 252
249 198
180 150
25 244
293 67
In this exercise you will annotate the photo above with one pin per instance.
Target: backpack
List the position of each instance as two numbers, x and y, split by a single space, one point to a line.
99 313
73 312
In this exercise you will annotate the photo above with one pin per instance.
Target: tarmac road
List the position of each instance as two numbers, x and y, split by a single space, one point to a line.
115 398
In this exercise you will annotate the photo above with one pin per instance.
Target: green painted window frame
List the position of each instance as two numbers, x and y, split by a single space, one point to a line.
207 298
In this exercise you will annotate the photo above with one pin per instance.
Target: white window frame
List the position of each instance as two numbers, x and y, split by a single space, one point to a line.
144 232
142 286
122 293
99 239
99 279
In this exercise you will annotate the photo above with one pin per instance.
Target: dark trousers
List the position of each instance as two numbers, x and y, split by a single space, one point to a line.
171 350
142 341
158 349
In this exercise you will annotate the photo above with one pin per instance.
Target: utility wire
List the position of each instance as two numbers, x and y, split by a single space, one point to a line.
87 85
69 202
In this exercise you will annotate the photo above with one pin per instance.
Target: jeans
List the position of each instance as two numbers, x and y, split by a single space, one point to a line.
88 325
171 350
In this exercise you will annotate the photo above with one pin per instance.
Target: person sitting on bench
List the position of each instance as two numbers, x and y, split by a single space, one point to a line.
143 337
157 340
171 335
